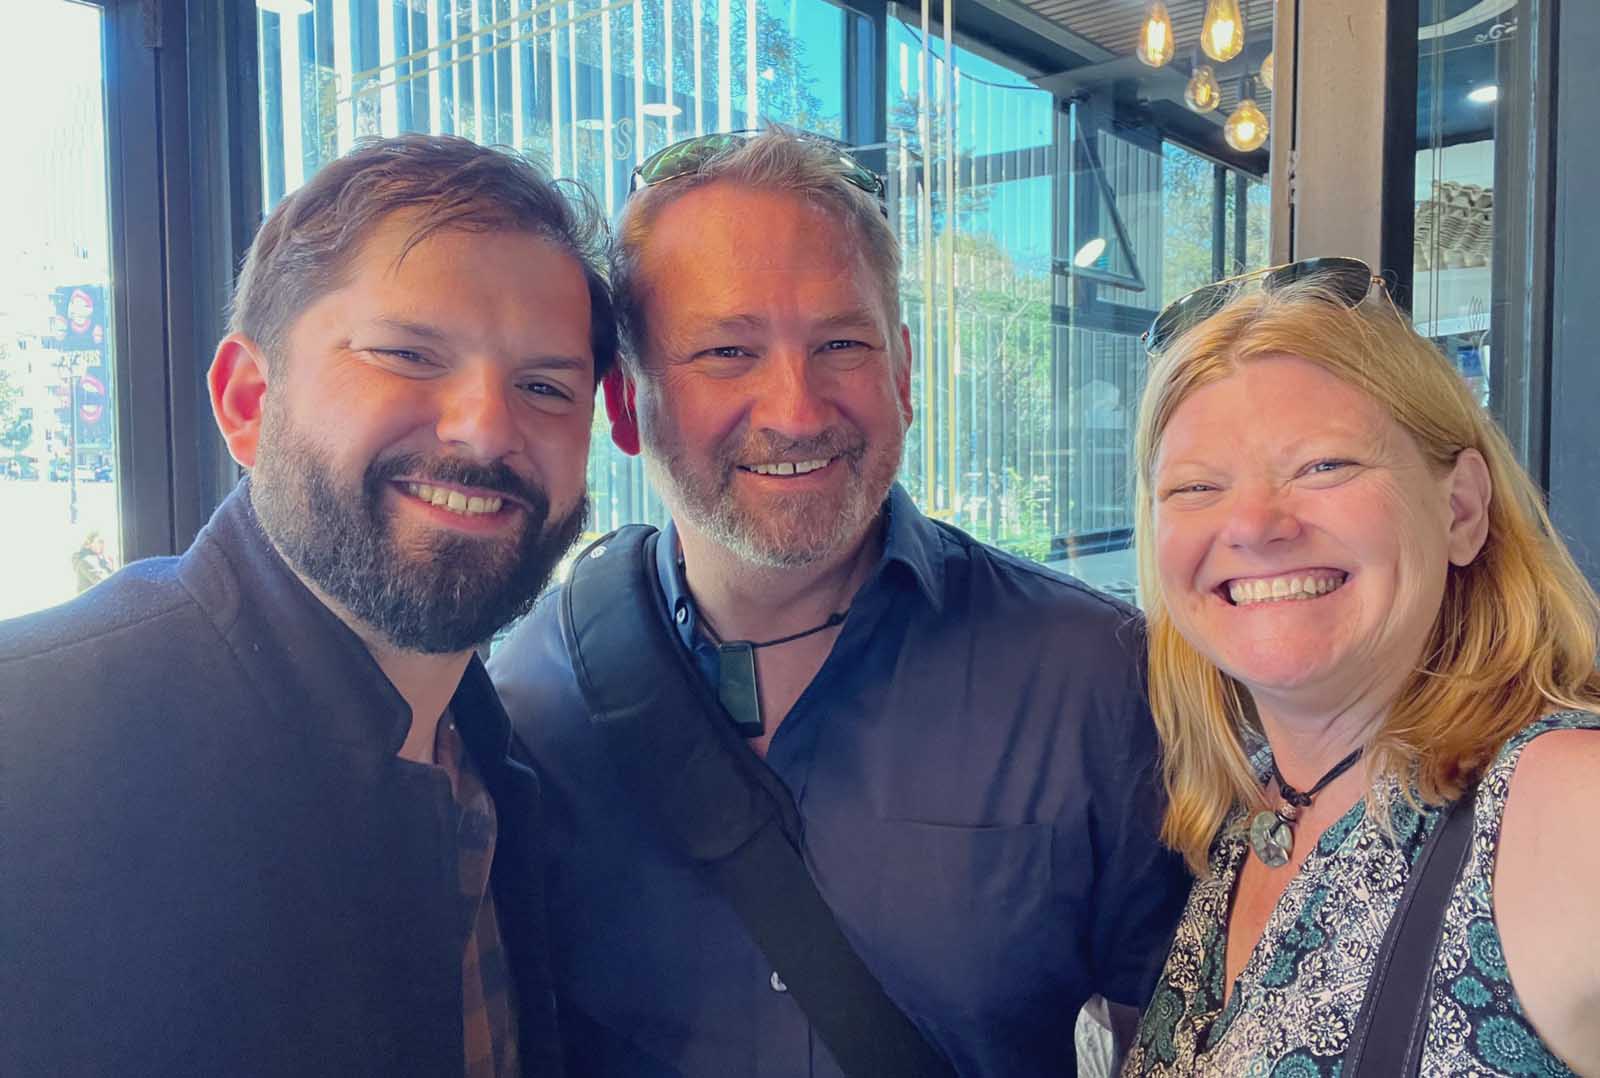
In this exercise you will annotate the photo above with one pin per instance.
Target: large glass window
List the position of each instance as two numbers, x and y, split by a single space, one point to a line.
1041 237
1474 191
1041 231
57 417
589 87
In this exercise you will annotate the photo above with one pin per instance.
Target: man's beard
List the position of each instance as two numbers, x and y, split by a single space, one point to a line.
781 530
440 593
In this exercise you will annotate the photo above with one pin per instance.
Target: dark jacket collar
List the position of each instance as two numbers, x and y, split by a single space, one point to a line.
311 669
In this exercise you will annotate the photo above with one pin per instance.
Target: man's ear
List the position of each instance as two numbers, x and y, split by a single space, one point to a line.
902 374
621 411
1470 493
238 383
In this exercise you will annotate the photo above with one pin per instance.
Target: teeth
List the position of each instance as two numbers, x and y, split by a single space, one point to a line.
1282 588
454 500
786 467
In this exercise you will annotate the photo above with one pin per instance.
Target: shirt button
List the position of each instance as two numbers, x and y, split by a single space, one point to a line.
683 612
777 983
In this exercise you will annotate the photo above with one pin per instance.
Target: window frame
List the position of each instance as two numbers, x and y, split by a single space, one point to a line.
178 158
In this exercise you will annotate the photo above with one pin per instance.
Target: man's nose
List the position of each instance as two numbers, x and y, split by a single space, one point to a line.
476 415
790 400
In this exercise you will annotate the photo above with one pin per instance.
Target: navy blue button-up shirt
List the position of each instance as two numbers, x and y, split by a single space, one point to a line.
974 769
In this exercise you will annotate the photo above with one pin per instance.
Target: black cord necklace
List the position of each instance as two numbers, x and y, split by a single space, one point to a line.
737 687
754 645
1272 830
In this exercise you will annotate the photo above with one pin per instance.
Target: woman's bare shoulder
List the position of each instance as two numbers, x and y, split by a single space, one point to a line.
1547 890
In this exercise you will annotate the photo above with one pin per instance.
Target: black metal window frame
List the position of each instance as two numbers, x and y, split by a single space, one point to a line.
183 185
1087 309
1565 264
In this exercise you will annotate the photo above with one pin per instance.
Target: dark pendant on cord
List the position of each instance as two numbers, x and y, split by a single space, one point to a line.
1272 830
737 688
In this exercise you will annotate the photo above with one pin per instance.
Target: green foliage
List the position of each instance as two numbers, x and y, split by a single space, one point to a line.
1188 186
15 431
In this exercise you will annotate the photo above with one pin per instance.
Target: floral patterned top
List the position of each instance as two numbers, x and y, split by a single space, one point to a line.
1294 1005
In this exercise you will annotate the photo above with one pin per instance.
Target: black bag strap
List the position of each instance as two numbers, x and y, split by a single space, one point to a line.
1393 1020
676 748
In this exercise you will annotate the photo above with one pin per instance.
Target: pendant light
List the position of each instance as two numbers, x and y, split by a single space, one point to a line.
1222 32
1202 94
1155 35
1266 73
1246 127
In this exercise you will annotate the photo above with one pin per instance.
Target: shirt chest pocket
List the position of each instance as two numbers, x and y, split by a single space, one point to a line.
963 914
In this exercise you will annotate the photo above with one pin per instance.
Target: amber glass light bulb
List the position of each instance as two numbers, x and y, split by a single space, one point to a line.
1246 127
1222 32
1203 94
1155 36
1267 71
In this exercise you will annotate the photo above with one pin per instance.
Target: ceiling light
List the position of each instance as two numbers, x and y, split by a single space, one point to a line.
1222 32
1246 127
285 7
1089 253
661 108
1155 36
1268 69
1203 94
1484 95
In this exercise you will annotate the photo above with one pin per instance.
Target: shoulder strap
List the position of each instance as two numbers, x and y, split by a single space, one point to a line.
717 803
1389 1030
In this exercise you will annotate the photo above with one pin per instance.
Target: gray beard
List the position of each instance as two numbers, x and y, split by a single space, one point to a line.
793 531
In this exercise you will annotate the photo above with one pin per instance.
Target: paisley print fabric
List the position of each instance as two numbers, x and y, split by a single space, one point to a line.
1294 1005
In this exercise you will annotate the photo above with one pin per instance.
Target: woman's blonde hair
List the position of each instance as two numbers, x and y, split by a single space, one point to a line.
1516 633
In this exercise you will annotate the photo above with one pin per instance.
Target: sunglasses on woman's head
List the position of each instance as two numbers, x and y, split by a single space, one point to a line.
689 156
1349 279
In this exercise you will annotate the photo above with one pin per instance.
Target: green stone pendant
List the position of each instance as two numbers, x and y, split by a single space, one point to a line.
1272 838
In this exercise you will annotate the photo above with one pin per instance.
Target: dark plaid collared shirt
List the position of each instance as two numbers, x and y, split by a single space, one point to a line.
488 1013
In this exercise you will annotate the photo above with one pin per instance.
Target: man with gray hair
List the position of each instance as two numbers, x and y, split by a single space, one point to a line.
962 734
260 814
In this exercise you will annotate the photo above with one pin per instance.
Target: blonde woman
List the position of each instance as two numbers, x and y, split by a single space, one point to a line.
1360 616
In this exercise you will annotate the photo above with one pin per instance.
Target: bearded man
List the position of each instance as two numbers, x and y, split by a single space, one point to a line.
261 816
962 734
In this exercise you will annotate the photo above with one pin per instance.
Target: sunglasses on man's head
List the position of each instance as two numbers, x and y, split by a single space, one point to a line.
1349 279
687 158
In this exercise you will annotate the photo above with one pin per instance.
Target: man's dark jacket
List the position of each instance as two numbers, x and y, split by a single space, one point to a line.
212 861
